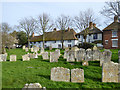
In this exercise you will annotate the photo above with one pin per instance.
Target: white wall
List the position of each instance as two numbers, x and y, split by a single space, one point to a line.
55 44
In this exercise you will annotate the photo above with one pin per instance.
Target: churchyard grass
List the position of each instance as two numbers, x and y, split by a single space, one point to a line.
16 74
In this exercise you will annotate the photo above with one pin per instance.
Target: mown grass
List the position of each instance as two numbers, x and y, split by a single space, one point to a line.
16 74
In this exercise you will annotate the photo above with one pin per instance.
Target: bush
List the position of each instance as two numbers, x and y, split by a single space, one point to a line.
86 45
97 41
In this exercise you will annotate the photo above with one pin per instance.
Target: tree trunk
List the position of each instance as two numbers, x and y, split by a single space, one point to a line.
43 40
28 42
62 40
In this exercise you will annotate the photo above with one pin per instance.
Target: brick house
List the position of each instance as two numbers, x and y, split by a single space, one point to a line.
111 35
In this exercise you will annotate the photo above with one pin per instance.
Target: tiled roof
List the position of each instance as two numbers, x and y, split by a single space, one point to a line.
56 35
113 26
94 30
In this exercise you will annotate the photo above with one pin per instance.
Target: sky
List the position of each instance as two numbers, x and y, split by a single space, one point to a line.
13 12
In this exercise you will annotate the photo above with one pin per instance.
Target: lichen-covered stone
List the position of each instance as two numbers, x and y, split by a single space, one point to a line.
54 57
77 75
25 57
60 74
45 55
71 56
12 57
80 55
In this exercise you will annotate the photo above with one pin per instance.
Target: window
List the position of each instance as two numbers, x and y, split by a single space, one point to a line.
54 41
78 36
69 41
106 42
59 45
89 34
45 41
89 40
39 42
69 45
114 42
114 33
94 36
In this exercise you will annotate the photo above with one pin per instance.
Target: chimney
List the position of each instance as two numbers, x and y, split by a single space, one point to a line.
33 34
94 24
116 18
55 29
68 29
91 25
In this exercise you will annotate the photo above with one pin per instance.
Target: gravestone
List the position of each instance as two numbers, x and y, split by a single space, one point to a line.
42 50
105 57
119 72
66 53
57 51
110 72
71 56
33 86
45 55
85 63
25 57
3 57
75 49
23 47
89 55
32 49
96 55
26 49
60 74
77 75
32 55
80 55
95 48
54 57
119 56
50 47
12 57
67 49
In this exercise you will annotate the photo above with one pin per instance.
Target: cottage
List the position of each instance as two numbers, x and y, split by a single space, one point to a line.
111 35
94 34
54 39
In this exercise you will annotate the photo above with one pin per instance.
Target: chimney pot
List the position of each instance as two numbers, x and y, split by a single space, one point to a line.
94 24
91 25
68 29
33 34
116 18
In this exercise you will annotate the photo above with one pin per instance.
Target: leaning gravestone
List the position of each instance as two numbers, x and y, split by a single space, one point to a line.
33 86
71 56
89 55
25 57
54 57
60 74
80 55
105 57
110 72
77 75
96 55
85 63
45 55
12 57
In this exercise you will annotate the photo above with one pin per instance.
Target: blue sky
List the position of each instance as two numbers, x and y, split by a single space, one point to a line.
12 12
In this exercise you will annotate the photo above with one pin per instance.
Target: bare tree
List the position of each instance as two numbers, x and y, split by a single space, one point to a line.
63 22
44 24
29 26
84 18
111 9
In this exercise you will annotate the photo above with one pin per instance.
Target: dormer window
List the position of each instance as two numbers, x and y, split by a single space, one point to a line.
114 33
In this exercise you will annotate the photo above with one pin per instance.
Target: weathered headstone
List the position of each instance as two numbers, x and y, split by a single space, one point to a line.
89 55
32 49
95 48
42 50
67 49
71 56
50 47
25 57
80 55
57 51
66 53
3 57
96 55
60 74
32 55
35 49
33 86
12 57
54 57
119 72
77 75
24 47
45 55
110 72
75 48
85 63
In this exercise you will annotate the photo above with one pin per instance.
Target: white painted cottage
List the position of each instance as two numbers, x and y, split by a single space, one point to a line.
54 39
95 34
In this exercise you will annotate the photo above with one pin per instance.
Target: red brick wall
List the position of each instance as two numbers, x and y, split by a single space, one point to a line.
107 35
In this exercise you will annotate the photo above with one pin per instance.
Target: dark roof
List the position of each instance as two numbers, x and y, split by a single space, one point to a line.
92 31
112 26
56 35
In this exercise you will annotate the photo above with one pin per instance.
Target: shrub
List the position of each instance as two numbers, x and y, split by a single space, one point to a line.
86 45
97 41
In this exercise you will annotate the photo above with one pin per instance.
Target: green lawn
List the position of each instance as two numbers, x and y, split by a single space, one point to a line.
16 74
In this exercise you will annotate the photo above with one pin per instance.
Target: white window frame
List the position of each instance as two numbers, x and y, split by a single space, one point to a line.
114 40
106 41
113 34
